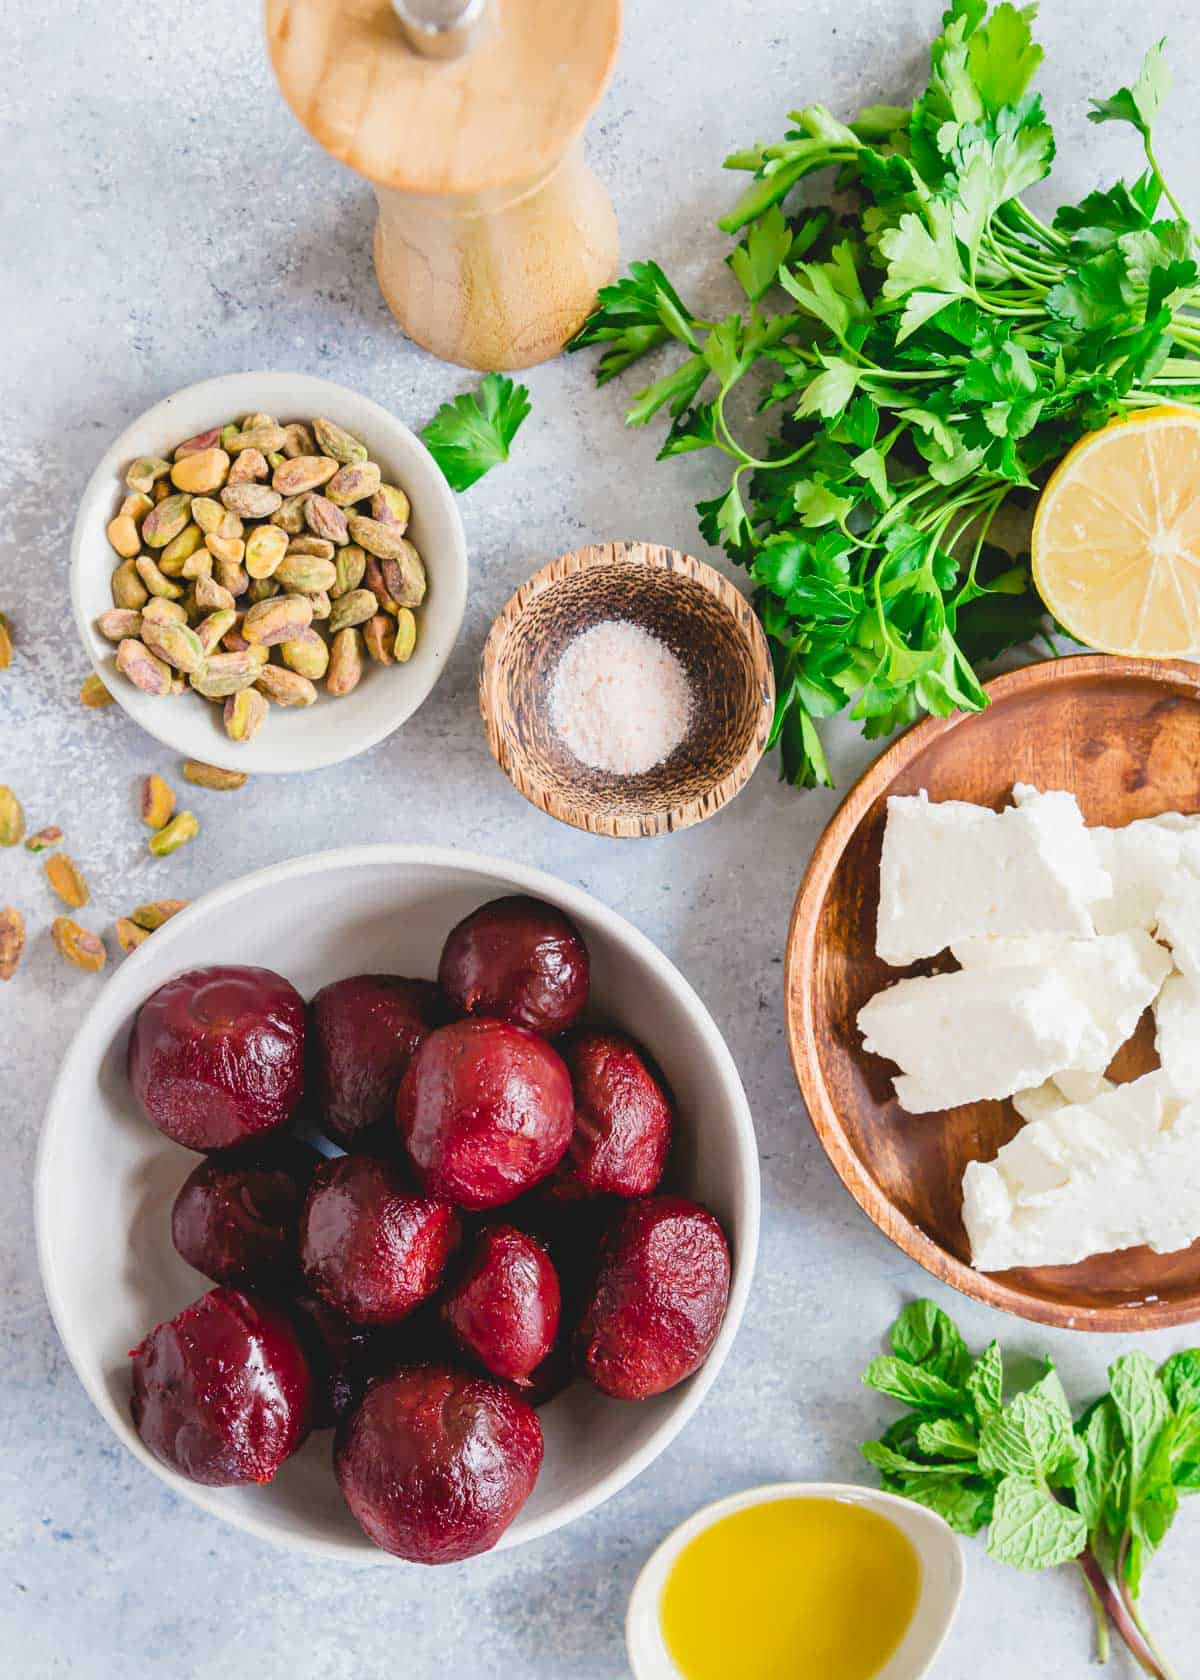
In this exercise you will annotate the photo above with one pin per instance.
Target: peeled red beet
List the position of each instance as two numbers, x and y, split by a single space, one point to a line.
658 1300
434 1464
623 1119
236 1219
222 1392
371 1246
333 1346
216 1056
484 1111
361 1036
520 960
503 1308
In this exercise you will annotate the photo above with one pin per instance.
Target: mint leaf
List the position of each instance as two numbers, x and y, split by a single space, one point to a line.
472 434
985 1383
1030 1529
950 1437
887 1459
923 1390
1143 1409
1180 1378
1100 1487
925 1335
1141 103
1031 1437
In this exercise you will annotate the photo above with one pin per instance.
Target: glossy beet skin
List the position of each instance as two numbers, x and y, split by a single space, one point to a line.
484 1112
216 1056
659 1298
434 1464
361 1036
519 960
236 1220
222 1393
371 1246
623 1119
503 1309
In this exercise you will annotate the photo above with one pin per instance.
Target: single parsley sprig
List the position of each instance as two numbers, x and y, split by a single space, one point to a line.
472 434
927 358
1102 1492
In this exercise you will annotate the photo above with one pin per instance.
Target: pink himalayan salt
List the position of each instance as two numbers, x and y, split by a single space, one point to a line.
620 699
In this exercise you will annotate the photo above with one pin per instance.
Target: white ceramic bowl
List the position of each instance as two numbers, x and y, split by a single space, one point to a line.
291 739
106 1179
936 1545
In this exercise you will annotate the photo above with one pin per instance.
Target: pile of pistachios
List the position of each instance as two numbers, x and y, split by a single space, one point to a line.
252 540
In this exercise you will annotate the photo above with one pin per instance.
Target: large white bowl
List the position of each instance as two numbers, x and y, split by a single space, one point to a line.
291 739
106 1179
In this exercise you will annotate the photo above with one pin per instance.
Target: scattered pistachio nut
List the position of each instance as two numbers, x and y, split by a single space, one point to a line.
201 473
12 941
5 643
384 541
356 607
406 635
302 473
66 878
152 916
93 694
12 818
178 832
353 484
77 945
336 441
265 548
128 590
159 610
390 506
345 663
404 576
119 622
165 520
44 838
144 671
145 472
306 653
129 934
212 776
273 621
226 673
158 802
350 565
251 501
285 688
244 714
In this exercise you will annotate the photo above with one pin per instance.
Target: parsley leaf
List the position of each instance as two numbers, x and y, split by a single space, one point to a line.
472 434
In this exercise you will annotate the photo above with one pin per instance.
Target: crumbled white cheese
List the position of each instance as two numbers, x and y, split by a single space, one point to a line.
1179 923
953 870
1078 1086
1072 1085
984 1032
1116 977
1119 1171
1143 860
1177 1033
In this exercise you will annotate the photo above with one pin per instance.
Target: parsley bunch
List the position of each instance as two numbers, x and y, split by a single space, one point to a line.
931 353
1102 1492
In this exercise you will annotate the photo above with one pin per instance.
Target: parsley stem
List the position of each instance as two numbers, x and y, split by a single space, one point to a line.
1170 196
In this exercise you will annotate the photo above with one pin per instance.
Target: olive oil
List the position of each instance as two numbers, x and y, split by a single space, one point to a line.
791 1589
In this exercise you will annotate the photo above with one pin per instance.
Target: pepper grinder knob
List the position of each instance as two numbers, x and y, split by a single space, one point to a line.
442 28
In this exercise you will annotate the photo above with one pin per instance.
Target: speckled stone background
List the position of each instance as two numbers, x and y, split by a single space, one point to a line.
165 219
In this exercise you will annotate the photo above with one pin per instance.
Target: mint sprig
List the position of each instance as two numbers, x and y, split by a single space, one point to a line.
1101 1492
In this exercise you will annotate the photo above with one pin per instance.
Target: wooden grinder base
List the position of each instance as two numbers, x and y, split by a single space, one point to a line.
493 235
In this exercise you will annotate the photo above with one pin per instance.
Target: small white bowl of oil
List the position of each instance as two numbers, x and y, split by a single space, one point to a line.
812 1579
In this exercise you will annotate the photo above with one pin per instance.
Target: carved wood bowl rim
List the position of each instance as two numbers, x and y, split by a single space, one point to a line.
610 805
808 1021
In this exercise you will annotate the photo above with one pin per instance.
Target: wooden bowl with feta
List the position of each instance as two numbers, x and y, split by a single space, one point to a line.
993 994
627 690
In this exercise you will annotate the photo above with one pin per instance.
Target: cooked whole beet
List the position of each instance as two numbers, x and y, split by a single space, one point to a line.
222 1392
658 1300
216 1056
371 1246
520 960
434 1464
503 1308
236 1219
623 1119
333 1347
361 1036
484 1111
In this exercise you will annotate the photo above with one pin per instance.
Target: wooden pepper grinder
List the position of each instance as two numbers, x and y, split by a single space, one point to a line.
466 117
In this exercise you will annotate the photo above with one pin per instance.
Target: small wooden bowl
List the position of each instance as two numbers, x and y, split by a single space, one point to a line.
1124 736
709 626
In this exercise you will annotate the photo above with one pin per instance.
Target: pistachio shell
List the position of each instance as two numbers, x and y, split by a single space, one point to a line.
166 520
354 483
201 473
336 441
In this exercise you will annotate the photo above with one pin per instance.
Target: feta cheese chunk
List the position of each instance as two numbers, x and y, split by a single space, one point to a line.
1116 977
1179 923
1121 1170
983 1032
1070 1086
1177 1034
1143 861
953 870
